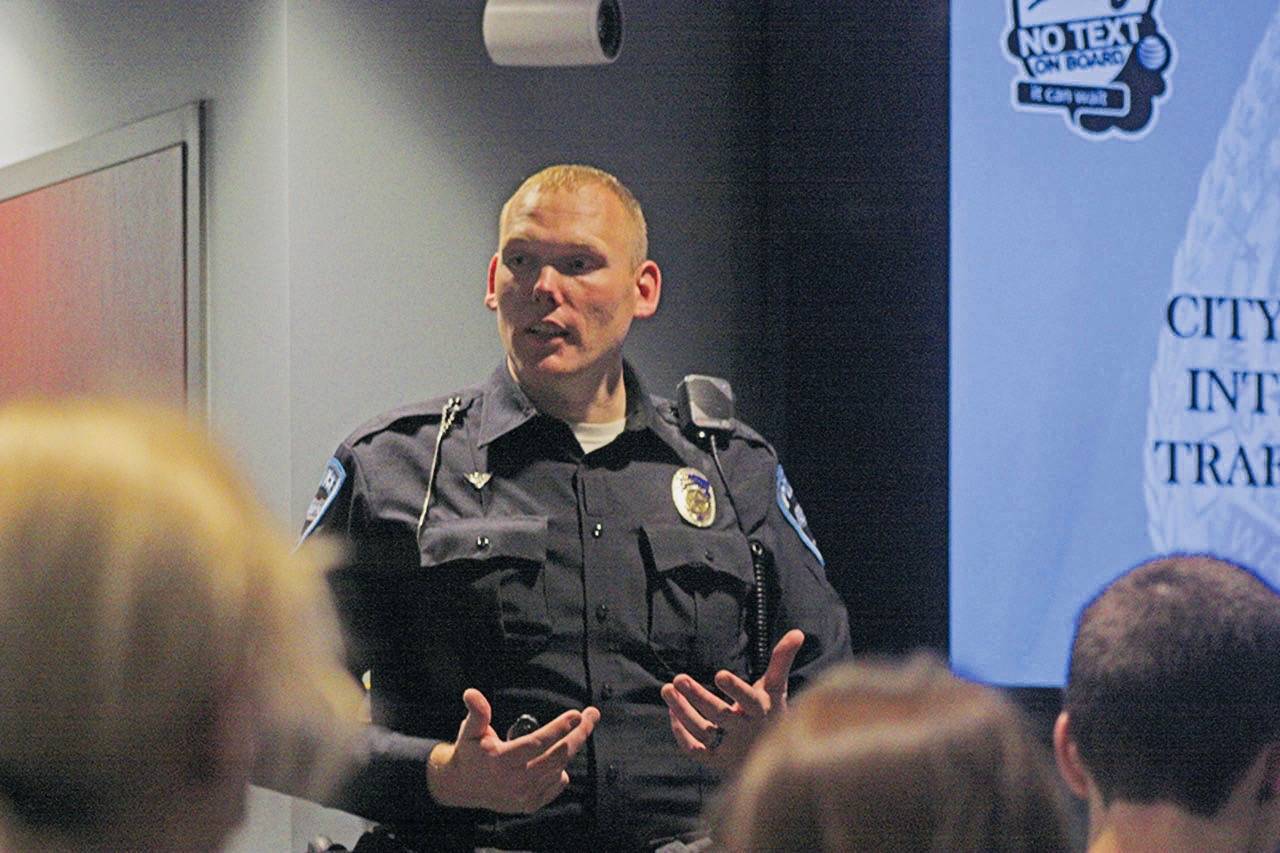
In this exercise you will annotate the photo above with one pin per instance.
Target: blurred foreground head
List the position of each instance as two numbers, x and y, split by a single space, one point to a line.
1172 713
153 625
882 756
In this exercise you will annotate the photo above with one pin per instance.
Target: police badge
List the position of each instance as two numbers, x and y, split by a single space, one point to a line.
692 495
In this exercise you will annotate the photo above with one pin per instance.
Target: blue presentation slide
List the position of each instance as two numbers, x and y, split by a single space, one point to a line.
1115 307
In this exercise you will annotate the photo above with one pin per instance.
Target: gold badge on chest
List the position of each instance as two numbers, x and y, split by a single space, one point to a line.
693 497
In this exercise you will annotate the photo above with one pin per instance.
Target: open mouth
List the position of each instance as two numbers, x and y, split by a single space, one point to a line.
544 331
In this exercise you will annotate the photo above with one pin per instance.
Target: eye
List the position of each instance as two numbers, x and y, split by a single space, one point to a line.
516 261
579 265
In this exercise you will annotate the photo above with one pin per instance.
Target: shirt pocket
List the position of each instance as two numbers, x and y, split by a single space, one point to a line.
485 577
699 587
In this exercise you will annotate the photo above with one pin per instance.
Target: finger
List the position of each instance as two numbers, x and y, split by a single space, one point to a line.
779 670
697 725
555 758
669 695
544 777
567 747
706 703
750 701
540 740
543 739
575 739
686 741
546 793
479 715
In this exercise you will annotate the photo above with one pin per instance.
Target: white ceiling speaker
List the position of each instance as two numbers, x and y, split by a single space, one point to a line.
552 32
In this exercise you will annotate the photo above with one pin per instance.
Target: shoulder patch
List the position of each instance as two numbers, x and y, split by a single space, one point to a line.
334 476
794 515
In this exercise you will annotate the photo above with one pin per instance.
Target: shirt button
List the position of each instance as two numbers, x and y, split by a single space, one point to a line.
711 558
606 690
612 774
602 612
482 542
597 530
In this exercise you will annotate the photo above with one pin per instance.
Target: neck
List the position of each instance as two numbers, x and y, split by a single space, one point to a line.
1136 828
596 397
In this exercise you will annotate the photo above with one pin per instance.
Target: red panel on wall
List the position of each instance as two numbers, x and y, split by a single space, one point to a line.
92 283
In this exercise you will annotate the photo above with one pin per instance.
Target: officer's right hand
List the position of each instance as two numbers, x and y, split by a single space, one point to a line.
482 771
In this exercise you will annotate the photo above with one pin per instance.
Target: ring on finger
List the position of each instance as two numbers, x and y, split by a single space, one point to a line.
717 737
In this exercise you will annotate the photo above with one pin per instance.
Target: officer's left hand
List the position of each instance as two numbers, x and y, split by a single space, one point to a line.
718 733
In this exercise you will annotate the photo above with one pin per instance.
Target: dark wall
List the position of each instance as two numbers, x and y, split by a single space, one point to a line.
856 227
856 236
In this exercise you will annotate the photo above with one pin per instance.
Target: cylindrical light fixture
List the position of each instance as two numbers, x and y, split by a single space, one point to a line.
552 32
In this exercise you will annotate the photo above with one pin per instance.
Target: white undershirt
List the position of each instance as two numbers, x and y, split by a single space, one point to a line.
595 436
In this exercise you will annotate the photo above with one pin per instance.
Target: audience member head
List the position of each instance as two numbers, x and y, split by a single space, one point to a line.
883 756
152 624
1172 713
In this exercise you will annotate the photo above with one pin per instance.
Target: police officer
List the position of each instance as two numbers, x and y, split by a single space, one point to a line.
552 547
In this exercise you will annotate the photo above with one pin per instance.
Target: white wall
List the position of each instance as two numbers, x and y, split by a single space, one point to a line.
69 70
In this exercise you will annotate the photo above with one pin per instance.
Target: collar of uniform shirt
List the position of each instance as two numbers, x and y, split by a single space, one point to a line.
506 406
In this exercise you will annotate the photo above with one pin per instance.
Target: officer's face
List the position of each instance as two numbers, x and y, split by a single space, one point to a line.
565 284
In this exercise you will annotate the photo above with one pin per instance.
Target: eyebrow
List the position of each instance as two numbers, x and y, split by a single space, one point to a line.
521 242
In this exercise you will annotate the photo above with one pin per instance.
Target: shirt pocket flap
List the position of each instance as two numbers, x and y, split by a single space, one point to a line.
726 551
523 537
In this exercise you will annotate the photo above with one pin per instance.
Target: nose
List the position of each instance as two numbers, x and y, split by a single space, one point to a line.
548 285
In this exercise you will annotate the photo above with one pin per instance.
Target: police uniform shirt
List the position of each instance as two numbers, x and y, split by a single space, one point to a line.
551 579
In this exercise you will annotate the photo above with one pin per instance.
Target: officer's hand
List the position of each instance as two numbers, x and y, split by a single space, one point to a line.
482 771
716 732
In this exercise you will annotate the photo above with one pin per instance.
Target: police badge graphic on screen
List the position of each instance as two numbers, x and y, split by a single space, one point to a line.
1101 64
1212 460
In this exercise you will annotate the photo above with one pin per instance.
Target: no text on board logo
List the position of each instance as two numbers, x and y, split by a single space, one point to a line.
1101 64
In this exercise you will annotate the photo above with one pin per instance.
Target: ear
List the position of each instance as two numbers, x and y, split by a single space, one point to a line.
1068 756
648 289
490 296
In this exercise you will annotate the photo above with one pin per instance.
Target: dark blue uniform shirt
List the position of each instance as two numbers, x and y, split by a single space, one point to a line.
551 579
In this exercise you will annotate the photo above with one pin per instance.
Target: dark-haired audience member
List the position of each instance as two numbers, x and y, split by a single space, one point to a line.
884 756
157 636
1171 725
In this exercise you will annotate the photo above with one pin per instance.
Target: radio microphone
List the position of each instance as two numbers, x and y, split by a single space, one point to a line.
705 402
705 407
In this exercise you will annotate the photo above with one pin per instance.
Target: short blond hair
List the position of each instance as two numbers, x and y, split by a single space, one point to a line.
142 588
897 756
572 176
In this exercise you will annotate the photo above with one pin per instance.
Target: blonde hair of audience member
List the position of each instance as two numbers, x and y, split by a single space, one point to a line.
883 756
153 624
